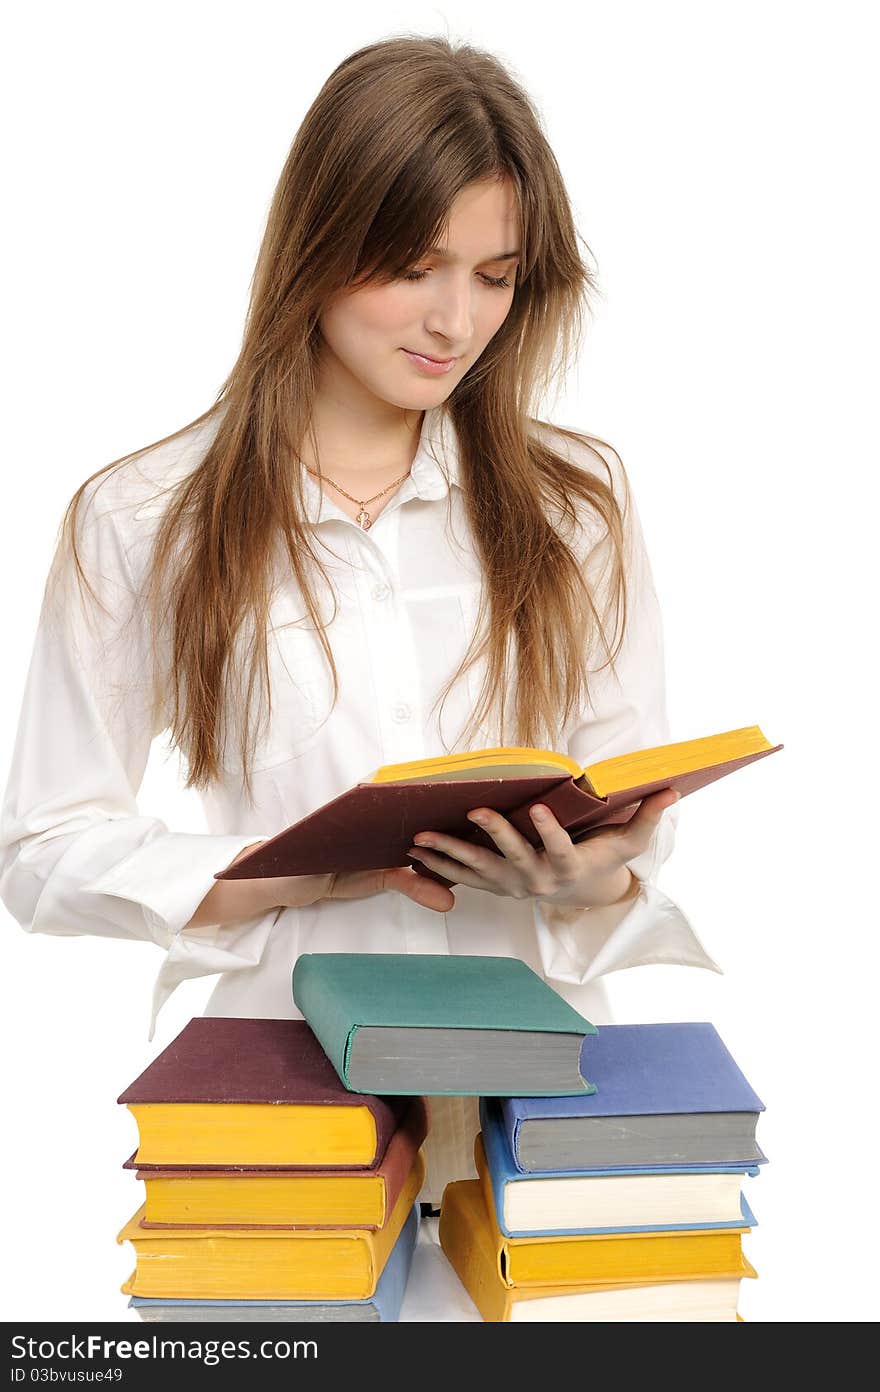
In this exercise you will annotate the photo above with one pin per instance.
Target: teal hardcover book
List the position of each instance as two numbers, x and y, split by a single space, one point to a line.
401 1024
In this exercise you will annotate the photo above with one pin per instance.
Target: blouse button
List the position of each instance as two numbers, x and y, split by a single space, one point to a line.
401 713
381 591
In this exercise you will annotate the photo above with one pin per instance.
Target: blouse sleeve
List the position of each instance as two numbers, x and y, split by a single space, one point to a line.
628 712
76 854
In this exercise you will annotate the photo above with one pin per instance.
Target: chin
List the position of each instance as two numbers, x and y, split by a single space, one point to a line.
417 396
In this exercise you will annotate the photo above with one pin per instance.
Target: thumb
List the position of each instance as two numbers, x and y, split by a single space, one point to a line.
361 884
429 893
637 832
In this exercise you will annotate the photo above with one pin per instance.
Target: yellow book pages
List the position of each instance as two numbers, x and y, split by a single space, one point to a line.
492 762
353 1200
624 1257
608 776
666 760
252 1133
469 1242
263 1263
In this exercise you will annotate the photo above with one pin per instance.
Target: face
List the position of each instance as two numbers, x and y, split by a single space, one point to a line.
386 340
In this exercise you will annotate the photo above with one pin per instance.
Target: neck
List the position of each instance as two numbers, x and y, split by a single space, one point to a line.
355 434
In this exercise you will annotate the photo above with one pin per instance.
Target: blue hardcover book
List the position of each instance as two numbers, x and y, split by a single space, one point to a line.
553 1203
666 1094
383 1306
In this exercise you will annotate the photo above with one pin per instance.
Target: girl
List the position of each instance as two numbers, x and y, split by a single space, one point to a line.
369 549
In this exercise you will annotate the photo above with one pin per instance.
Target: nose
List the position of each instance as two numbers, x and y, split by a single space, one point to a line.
450 313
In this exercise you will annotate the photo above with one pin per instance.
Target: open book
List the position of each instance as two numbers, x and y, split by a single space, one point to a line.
371 826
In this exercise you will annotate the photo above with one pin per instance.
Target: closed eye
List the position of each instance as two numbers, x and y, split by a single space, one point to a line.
501 282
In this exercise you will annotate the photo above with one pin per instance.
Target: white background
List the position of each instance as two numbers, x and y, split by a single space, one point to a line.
720 159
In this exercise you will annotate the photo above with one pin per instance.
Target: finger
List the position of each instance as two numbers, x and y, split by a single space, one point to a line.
557 843
480 859
246 850
635 835
511 843
421 890
361 884
457 869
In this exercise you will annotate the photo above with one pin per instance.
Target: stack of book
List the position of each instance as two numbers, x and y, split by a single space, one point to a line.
273 1192
621 1204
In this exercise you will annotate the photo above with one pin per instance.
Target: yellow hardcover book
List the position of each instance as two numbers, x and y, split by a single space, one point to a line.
582 1258
239 1091
358 1201
253 1134
248 1196
470 1242
263 1263
607 776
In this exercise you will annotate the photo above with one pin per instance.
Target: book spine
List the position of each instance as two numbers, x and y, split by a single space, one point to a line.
468 1248
510 1124
391 1286
492 1186
325 1012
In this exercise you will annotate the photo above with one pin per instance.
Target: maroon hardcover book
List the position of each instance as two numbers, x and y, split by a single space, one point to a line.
229 1059
371 826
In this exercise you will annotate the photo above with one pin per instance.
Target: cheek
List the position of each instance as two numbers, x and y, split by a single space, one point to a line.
492 316
376 311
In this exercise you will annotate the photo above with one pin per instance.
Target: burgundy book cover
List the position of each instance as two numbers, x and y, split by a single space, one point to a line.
228 1059
371 826
394 1167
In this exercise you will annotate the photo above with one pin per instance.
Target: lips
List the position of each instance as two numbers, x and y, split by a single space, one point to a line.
441 362
429 367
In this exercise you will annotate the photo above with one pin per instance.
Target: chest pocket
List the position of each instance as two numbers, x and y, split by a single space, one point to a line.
301 689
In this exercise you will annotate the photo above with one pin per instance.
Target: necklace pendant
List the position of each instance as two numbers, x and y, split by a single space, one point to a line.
363 519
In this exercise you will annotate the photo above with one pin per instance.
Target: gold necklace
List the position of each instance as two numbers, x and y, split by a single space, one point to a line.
363 518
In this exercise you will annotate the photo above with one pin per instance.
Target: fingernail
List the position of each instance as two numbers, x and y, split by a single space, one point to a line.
477 817
538 812
414 852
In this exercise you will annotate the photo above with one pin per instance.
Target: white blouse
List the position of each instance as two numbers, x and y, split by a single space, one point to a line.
77 856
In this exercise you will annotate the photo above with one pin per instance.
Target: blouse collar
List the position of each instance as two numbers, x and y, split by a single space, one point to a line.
435 468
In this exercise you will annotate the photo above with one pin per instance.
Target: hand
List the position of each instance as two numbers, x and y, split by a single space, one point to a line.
235 901
358 884
300 890
592 873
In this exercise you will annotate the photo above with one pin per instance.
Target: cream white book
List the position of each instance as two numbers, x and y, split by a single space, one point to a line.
616 1201
622 1201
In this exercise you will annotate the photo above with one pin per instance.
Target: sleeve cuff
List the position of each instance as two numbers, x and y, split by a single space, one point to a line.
579 945
211 949
168 877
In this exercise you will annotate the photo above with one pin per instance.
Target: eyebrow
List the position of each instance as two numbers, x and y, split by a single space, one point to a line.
446 256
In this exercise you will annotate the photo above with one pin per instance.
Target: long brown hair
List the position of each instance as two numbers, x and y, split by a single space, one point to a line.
398 130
